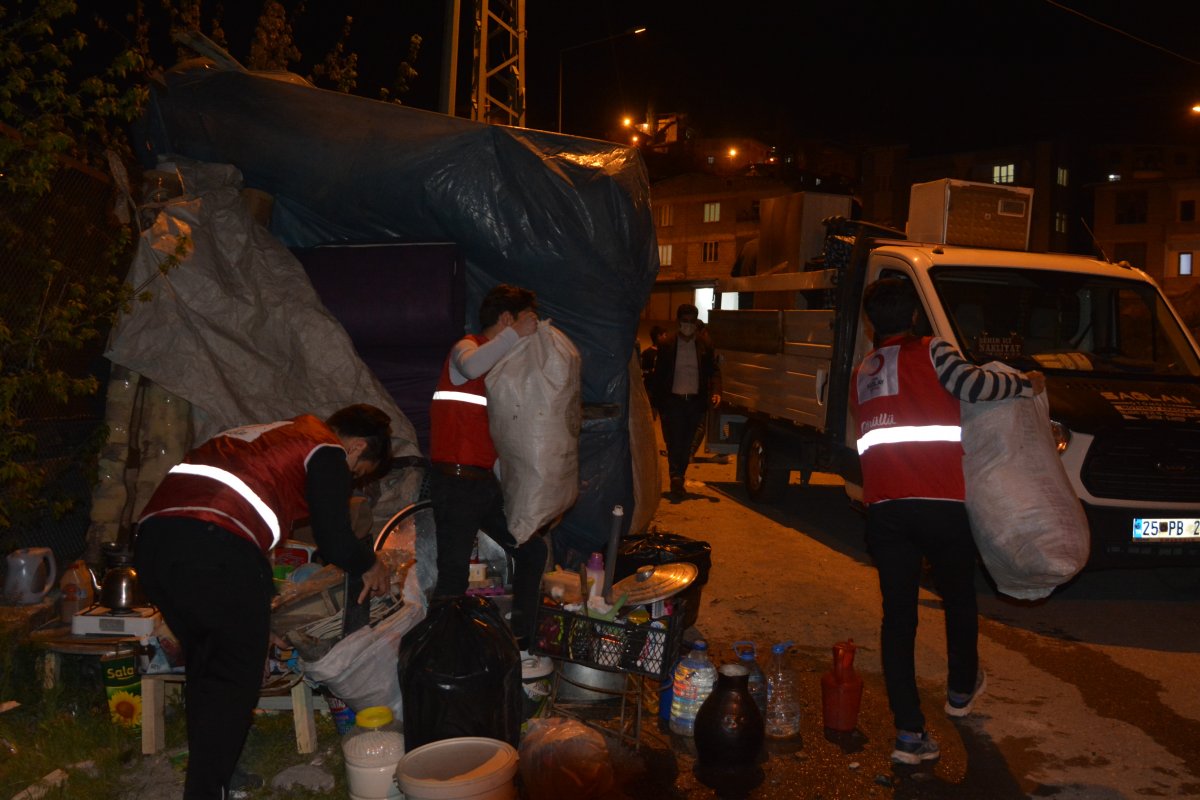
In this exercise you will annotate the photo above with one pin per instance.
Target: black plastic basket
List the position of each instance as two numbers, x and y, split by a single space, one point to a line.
648 649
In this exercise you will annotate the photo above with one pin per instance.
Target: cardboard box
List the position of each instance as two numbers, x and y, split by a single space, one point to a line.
970 214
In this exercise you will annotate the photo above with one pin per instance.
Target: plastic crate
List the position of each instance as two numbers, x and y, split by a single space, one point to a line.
617 646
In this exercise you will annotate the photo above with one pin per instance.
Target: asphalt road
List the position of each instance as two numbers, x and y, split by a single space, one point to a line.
1091 693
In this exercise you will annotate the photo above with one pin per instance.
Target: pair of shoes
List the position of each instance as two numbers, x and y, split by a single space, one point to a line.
959 704
914 747
535 666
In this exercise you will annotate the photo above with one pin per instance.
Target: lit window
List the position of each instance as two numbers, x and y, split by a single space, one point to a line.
664 255
712 160
1114 177
666 215
712 212
1004 173
1060 221
1185 263
711 251
1062 176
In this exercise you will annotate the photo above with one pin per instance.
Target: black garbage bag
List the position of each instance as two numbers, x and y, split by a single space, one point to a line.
657 547
460 675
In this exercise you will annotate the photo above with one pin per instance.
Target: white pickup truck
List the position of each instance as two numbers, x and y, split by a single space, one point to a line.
1122 372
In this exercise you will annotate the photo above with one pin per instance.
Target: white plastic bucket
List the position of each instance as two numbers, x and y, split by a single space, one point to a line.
465 768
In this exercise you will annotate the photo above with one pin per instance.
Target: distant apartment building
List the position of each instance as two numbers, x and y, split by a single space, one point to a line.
703 220
1145 211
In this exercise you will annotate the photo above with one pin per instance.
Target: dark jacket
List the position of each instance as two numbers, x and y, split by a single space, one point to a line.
664 368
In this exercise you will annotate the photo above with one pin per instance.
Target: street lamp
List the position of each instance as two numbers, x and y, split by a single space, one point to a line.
630 32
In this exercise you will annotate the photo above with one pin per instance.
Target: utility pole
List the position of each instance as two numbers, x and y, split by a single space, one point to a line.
498 74
450 58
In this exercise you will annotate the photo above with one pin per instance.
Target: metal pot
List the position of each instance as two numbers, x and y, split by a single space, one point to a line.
120 591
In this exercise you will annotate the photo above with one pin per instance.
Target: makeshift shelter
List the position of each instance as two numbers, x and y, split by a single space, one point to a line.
566 217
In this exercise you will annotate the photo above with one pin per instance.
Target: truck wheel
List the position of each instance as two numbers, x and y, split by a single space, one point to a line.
763 482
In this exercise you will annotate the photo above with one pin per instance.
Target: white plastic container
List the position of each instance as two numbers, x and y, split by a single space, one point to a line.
464 768
372 749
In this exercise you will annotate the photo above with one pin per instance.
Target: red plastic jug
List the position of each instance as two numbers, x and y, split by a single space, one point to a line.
841 690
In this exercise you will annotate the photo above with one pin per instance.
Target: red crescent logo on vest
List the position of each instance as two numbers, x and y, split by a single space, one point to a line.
873 365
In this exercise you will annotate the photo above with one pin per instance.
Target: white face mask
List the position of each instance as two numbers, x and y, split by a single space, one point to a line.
687 328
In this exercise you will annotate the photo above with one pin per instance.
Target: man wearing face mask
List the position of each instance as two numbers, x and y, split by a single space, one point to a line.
686 381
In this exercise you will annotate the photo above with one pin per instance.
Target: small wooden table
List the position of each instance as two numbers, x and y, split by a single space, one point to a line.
284 693
57 641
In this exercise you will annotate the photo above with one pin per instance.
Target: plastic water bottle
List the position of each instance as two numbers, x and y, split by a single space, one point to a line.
694 679
783 702
745 651
595 576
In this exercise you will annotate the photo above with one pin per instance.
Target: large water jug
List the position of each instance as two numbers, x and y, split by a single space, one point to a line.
841 690
783 701
694 679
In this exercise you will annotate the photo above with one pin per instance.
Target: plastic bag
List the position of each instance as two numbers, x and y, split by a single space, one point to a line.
564 758
361 669
460 675
1028 524
534 417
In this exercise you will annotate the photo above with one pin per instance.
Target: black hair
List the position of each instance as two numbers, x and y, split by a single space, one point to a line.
505 297
889 304
655 332
370 424
687 309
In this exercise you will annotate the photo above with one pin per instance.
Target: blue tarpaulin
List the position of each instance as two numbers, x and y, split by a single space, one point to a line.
566 217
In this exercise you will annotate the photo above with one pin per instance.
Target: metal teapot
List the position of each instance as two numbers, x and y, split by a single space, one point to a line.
31 573
120 592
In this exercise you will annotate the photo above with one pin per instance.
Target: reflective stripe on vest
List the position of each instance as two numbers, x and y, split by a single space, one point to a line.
909 433
462 397
239 486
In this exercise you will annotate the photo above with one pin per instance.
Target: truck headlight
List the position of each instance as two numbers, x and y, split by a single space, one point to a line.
1062 436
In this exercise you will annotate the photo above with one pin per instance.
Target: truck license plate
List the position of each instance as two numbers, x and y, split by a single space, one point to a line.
1164 529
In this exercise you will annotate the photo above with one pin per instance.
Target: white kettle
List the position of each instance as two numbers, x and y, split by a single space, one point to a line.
31 573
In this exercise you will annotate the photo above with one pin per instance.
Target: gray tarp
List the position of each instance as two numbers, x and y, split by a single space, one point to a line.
566 217
236 329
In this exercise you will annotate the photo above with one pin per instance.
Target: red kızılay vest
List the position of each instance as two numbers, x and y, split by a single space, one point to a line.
909 426
458 421
249 480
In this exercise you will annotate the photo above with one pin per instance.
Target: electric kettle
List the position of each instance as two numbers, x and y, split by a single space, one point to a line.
31 573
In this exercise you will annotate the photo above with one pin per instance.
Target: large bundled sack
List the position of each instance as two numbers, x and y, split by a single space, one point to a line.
534 417
1029 526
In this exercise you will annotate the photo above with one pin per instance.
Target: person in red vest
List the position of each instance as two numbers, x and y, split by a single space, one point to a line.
905 402
202 554
463 487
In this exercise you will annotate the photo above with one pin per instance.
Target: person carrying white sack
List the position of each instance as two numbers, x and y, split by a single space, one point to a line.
463 488
905 401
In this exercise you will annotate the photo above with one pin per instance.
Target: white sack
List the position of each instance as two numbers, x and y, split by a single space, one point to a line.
1028 524
361 669
534 417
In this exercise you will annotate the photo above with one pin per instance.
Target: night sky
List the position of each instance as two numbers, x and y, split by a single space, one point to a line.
938 75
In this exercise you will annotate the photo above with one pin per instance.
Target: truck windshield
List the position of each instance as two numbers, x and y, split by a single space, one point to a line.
1063 321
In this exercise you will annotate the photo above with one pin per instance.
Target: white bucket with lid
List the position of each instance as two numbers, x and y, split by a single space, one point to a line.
463 768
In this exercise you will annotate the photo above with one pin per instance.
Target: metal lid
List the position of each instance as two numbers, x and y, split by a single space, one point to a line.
656 582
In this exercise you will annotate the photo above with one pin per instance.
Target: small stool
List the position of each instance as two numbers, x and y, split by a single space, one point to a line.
283 693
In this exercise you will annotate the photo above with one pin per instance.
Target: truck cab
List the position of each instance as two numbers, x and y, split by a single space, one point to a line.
1122 372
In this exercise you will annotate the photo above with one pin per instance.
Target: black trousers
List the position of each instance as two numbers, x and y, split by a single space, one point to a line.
899 534
464 506
680 417
214 591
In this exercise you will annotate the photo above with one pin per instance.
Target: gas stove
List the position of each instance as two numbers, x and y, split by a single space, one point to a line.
105 622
